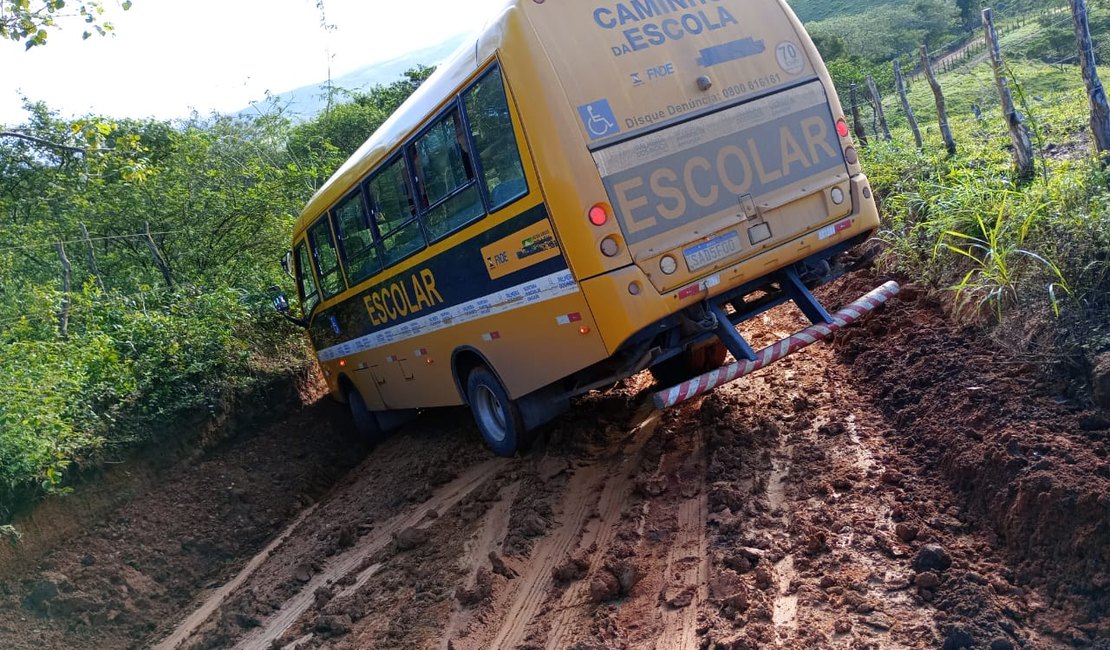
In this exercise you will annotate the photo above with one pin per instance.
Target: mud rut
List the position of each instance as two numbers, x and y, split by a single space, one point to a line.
777 512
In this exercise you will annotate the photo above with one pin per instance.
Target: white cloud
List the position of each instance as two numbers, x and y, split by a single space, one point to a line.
170 56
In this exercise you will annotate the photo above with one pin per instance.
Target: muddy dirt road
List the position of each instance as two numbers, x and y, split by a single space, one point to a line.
906 487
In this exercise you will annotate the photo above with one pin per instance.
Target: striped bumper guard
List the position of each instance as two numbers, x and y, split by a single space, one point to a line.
807 337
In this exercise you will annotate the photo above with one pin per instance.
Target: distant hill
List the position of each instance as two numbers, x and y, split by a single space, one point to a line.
809 10
307 101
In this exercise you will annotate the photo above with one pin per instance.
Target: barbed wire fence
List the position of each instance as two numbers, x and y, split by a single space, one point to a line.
991 46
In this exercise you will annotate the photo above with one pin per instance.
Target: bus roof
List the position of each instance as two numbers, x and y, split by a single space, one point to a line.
437 89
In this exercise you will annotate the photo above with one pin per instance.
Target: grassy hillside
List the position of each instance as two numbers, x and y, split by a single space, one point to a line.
813 10
809 10
1027 258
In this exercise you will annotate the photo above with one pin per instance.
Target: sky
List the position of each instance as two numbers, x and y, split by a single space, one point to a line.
169 57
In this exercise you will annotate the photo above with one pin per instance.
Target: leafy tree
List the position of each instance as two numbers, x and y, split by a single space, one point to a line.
220 195
970 13
20 21
324 143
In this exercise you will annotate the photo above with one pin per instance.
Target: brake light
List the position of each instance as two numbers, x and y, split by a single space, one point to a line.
599 216
842 128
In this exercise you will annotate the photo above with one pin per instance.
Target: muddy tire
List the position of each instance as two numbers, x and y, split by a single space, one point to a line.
497 416
690 363
366 423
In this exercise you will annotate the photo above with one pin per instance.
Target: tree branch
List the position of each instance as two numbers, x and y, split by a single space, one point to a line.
40 141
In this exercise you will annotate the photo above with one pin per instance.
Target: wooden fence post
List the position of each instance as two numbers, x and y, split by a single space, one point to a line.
1019 133
901 84
92 256
877 102
159 261
1096 94
942 112
857 119
67 270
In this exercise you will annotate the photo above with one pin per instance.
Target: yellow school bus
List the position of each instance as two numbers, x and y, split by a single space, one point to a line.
588 189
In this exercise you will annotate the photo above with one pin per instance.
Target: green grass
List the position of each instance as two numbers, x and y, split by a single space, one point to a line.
809 10
1031 256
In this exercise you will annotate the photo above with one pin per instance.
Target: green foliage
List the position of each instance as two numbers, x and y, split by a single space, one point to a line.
809 10
1053 38
336 134
20 21
128 364
1003 249
890 30
220 196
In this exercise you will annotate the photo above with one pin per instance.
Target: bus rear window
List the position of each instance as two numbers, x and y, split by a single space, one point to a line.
306 282
487 109
327 261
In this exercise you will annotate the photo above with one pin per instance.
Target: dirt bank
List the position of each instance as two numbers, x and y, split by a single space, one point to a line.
906 487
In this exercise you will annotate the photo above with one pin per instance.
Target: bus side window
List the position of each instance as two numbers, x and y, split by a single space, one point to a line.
327 260
445 173
487 109
306 282
392 208
356 239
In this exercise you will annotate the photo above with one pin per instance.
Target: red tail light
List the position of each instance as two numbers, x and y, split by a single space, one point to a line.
599 216
842 128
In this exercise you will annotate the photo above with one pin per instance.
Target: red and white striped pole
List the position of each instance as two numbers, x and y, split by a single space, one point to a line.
850 314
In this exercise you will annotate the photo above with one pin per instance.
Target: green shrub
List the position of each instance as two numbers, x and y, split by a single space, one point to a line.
129 365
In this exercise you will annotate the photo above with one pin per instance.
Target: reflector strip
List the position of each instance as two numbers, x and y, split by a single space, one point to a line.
807 337
834 230
491 336
567 319
523 295
421 353
391 359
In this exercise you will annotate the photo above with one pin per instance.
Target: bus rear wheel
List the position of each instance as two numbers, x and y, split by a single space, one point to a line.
690 363
498 417
366 423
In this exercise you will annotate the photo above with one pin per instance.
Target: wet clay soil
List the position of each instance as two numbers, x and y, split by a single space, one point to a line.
908 486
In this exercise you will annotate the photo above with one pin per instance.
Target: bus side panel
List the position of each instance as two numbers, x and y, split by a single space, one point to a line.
505 291
528 348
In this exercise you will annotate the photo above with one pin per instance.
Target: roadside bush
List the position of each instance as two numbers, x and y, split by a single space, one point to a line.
128 365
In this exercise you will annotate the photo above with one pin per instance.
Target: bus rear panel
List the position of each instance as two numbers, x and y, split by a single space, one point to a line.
719 141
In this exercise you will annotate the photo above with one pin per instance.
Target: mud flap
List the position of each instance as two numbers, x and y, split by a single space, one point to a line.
850 314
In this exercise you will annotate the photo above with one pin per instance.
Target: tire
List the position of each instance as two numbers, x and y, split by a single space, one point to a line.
366 423
497 416
691 363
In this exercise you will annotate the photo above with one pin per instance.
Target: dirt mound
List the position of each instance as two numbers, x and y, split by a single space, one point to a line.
1034 468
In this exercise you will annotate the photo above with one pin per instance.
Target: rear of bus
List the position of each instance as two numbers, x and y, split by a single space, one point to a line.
721 153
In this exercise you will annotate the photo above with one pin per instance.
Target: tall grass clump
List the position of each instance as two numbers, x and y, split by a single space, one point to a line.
1033 256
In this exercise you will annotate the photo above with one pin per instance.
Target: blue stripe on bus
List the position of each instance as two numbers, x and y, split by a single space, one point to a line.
456 276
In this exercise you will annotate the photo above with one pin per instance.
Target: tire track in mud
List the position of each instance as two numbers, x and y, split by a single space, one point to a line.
485 544
348 562
342 565
608 482
212 602
600 533
687 566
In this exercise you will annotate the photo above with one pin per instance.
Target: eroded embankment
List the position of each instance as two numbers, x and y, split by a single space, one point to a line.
1034 468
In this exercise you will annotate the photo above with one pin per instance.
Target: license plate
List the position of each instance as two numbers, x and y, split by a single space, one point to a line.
712 251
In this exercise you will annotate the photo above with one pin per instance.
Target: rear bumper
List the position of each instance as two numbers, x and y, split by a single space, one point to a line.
852 313
621 315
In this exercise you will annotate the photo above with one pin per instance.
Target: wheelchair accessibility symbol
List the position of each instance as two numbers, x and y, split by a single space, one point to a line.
599 119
